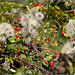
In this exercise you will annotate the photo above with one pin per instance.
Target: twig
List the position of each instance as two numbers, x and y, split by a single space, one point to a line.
43 48
40 68
69 11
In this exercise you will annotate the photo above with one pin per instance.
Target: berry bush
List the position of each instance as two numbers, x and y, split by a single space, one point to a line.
37 37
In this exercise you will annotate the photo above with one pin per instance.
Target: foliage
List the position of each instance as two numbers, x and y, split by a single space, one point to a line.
8 49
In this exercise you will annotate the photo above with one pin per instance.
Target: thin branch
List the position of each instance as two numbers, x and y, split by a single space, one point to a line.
40 68
43 48
69 11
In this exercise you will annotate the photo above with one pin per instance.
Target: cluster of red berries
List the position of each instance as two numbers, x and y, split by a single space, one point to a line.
48 40
16 28
35 4
51 63
18 51
55 28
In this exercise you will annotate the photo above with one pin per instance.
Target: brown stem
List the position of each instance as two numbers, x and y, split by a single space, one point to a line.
40 68
69 11
42 48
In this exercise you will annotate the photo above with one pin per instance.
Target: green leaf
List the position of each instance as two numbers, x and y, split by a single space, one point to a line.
23 56
11 60
48 58
10 46
18 39
12 39
70 68
12 70
1 58
28 72
29 58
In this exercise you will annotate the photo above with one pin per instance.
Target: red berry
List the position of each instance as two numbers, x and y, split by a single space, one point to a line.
54 26
51 62
19 19
17 36
74 12
18 51
58 9
65 67
49 39
39 4
35 4
15 28
53 32
46 62
62 32
55 56
18 28
56 52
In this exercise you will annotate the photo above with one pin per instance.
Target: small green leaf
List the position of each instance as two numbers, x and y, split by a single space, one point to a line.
48 58
18 39
1 58
28 72
10 46
12 70
12 39
23 56
11 60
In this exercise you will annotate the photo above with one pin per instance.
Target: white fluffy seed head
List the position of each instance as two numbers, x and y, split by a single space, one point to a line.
29 16
13 10
33 11
2 38
27 40
23 20
39 16
68 49
70 27
24 30
67 4
7 29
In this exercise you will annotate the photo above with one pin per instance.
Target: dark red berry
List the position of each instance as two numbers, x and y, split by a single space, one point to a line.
54 26
53 32
49 39
55 56
17 36
39 4
62 32
56 52
46 62
65 67
18 28
35 4
18 51
58 9
19 19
